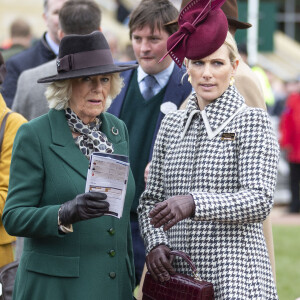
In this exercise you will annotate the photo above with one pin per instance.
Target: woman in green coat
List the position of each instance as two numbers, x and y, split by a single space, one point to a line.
71 249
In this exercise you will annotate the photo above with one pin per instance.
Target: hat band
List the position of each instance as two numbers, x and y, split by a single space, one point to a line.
83 60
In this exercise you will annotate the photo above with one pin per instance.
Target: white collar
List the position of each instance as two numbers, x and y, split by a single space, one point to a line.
162 77
218 114
54 47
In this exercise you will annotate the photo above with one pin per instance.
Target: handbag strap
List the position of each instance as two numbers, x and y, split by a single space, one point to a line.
185 257
2 129
188 260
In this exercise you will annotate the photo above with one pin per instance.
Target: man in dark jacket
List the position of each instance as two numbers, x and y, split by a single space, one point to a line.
75 17
43 51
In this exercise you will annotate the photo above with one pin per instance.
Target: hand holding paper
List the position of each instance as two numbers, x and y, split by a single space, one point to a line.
108 173
83 207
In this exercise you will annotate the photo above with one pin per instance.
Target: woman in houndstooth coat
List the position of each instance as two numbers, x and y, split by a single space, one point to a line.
211 183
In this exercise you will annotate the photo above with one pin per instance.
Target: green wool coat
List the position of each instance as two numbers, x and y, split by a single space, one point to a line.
48 169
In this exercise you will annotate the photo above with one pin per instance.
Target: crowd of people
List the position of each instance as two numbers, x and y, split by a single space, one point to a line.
193 119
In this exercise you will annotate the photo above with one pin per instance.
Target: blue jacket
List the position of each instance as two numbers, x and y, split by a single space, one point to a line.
27 59
176 92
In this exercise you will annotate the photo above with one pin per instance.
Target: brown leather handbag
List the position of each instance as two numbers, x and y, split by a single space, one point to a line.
179 287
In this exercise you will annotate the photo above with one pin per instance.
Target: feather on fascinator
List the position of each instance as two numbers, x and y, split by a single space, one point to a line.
202 30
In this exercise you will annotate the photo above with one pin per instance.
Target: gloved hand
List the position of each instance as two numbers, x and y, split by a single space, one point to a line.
159 263
171 211
83 207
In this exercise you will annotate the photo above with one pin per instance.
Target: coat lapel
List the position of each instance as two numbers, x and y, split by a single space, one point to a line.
112 128
228 104
217 114
63 144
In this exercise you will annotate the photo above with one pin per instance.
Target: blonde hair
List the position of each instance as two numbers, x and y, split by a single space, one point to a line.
232 47
58 93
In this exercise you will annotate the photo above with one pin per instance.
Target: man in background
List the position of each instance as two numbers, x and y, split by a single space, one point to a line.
75 17
20 36
150 92
45 49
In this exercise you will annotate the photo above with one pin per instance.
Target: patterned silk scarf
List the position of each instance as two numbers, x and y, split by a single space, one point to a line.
91 139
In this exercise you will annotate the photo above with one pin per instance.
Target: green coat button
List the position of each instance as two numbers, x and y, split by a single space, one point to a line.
112 253
111 231
112 275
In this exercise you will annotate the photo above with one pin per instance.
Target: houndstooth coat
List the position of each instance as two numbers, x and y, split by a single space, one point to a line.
226 157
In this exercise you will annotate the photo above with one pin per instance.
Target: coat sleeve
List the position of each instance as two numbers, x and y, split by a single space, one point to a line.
154 193
258 156
14 121
20 103
249 86
23 215
9 85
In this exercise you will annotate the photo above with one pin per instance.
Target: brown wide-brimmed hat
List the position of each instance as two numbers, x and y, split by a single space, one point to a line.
230 9
85 55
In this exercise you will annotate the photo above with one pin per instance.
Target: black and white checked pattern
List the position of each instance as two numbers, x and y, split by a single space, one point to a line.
232 182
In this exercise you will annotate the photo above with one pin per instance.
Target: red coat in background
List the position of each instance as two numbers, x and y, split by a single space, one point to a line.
290 128
290 141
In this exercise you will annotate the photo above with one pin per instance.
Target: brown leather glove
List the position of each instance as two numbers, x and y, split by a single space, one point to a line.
83 207
171 211
159 263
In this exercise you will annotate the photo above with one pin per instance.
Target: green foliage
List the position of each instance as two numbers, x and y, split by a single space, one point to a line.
287 258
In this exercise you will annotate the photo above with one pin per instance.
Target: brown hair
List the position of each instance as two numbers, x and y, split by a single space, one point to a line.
20 28
154 14
80 17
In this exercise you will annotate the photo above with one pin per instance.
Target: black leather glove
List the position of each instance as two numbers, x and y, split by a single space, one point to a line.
171 211
83 207
159 263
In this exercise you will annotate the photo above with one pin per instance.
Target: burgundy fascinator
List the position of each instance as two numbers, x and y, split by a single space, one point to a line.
202 30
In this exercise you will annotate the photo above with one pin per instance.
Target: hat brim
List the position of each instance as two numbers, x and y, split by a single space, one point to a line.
238 24
93 71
